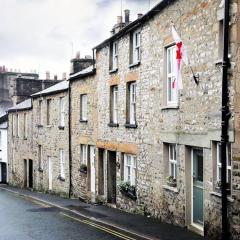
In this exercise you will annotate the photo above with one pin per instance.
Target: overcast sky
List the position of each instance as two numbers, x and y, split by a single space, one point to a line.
43 35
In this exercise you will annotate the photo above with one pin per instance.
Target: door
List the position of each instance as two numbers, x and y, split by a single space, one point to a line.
30 174
111 177
93 171
197 186
25 173
4 172
49 173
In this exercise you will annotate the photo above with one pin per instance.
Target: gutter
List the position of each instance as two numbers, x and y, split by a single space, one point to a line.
49 93
225 122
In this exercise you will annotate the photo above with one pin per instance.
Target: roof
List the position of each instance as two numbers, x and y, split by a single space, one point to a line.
133 25
83 73
25 105
56 88
3 118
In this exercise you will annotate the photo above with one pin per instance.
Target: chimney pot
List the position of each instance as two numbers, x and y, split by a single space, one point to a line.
78 55
47 75
140 15
64 76
119 19
127 14
55 77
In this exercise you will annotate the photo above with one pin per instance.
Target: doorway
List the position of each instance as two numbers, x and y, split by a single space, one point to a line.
111 177
3 172
25 184
197 187
30 173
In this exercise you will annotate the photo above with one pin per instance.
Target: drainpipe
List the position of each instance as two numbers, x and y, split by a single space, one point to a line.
225 121
69 139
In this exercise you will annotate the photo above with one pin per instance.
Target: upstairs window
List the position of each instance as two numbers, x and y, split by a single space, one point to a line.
25 123
40 157
172 93
130 169
83 107
114 56
172 161
114 104
61 112
84 154
17 125
135 47
131 103
48 111
40 112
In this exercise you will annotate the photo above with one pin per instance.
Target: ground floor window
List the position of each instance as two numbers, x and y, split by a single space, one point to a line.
130 169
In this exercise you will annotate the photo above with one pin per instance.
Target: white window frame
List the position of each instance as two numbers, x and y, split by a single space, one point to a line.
172 93
136 46
61 112
130 165
132 103
18 127
25 120
49 101
83 108
115 104
219 162
172 158
114 55
40 106
0 140
62 163
84 154
40 152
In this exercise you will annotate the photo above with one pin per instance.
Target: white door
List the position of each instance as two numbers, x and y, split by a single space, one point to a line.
50 173
93 171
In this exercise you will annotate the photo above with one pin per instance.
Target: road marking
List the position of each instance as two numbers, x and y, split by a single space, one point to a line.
35 201
105 229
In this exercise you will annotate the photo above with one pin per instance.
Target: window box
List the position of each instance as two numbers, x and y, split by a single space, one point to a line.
83 168
128 190
172 182
39 125
83 121
113 125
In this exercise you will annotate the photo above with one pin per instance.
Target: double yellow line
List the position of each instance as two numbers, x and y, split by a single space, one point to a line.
107 230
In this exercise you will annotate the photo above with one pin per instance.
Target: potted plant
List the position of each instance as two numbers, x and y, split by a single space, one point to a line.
83 168
128 190
172 182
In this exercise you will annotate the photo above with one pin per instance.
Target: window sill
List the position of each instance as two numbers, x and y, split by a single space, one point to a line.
113 125
83 121
40 169
219 195
60 127
134 64
48 126
113 71
169 107
172 189
128 125
61 178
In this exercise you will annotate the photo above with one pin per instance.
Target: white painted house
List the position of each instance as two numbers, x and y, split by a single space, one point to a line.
3 149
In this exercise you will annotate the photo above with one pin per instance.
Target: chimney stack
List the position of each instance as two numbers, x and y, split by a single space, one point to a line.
64 76
119 19
55 77
127 16
140 15
78 55
47 75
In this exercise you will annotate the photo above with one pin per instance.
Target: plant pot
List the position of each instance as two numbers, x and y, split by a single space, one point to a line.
83 169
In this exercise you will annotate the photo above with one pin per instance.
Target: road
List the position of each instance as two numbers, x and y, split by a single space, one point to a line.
22 219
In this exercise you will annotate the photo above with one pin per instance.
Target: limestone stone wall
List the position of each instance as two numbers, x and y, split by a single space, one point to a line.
52 137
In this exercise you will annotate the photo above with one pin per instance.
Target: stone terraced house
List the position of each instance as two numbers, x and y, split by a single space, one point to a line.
135 141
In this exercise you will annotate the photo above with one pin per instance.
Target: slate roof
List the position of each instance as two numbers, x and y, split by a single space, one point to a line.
85 72
25 105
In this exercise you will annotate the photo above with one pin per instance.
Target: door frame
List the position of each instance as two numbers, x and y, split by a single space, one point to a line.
50 164
198 226
92 156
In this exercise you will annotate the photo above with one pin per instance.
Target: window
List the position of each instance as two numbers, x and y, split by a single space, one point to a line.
61 112
83 107
40 157
135 47
172 93
17 125
0 140
25 125
62 162
219 163
13 125
131 103
84 154
172 161
130 169
114 56
40 119
220 39
48 111
114 104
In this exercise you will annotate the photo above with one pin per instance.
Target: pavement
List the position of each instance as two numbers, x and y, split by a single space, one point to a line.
136 226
